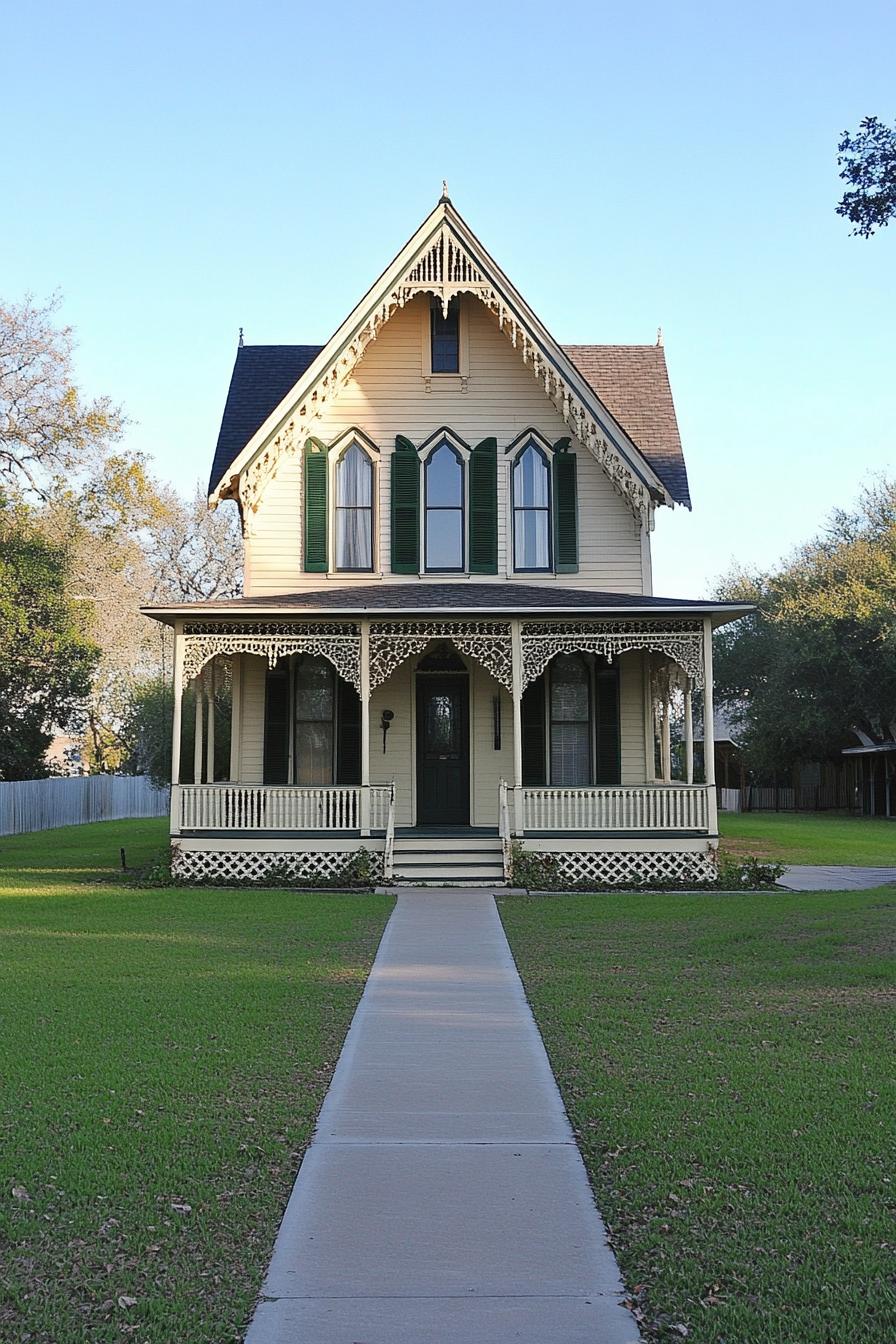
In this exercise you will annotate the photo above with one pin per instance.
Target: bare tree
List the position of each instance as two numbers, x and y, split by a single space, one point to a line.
47 429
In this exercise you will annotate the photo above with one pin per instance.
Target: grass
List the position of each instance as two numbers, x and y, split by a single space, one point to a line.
165 1053
728 1067
805 837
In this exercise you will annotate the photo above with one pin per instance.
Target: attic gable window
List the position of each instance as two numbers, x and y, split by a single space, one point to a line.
445 336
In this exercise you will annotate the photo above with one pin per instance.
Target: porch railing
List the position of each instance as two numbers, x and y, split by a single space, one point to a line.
669 807
274 807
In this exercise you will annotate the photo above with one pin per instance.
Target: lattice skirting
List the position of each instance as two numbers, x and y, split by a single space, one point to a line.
238 867
632 868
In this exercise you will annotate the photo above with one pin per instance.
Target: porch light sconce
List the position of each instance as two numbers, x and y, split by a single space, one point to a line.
386 724
496 720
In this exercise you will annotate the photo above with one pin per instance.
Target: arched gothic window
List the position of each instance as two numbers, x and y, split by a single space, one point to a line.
354 510
443 477
531 511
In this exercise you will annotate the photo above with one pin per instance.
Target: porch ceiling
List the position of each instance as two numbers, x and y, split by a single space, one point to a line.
433 599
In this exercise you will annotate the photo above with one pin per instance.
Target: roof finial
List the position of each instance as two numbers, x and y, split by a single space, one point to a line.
659 336
445 196
241 336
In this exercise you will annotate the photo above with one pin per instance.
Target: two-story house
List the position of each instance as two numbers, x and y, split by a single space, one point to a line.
449 636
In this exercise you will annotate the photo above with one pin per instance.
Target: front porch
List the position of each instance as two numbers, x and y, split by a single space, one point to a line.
555 735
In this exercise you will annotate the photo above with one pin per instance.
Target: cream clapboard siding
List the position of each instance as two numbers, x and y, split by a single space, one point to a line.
385 397
488 766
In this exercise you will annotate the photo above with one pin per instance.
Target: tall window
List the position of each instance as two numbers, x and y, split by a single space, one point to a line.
354 510
570 721
445 336
443 478
315 707
531 511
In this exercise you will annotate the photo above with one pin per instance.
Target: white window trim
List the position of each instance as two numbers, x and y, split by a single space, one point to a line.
446 382
452 439
511 457
335 452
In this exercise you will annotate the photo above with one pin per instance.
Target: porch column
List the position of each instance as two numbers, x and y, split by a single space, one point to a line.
517 657
176 729
365 728
210 733
709 735
666 752
689 733
236 693
199 683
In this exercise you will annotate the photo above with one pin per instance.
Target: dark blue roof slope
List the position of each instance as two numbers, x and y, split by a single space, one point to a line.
261 378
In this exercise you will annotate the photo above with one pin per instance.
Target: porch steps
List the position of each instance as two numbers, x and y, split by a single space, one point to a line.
468 860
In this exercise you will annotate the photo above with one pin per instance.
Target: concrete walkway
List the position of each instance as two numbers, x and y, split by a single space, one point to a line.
805 877
443 1199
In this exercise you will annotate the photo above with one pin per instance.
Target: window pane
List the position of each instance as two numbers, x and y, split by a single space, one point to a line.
445 337
353 478
314 689
354 538
444 479
530 479
570 754
444 539
530 539
569 689
314 753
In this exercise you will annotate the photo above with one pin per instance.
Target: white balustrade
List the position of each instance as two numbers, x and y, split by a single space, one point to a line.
271 807
673 807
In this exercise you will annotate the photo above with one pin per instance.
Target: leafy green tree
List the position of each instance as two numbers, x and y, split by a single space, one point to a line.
867 161
817 662
149 723
47 658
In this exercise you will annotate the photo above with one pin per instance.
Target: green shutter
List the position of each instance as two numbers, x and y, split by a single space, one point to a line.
405 507
348 735
566 510
533 735
276 724
484 508
315 507
606 717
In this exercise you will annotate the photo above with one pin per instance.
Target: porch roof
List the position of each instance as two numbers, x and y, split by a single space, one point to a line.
376 599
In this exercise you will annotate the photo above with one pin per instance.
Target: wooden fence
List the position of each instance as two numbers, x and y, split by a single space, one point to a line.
837 797
40 804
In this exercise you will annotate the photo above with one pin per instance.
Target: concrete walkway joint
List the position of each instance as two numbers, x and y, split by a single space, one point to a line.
443 1198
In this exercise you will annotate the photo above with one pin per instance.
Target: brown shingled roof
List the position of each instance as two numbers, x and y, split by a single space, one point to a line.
633 383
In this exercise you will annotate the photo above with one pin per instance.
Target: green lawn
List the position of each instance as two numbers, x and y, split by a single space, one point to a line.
809 837
728 1066
164 1056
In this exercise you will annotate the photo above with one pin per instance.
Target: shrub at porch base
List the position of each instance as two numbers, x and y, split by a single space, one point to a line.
334 870
637 871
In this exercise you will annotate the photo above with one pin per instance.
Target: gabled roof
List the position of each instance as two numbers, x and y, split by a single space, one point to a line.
631 381
444 257
262 376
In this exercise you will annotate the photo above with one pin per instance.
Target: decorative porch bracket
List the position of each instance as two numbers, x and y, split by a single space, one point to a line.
488 642
338 642
680 640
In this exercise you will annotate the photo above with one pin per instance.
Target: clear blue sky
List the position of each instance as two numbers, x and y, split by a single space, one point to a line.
180 170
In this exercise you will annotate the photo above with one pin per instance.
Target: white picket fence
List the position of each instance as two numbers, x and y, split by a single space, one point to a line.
40 804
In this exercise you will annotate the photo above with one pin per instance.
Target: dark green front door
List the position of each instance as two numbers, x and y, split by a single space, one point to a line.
443 750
